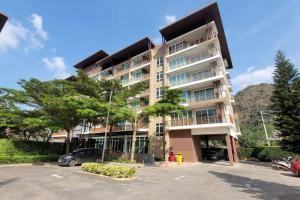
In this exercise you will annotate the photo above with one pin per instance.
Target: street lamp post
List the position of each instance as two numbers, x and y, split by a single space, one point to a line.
106 126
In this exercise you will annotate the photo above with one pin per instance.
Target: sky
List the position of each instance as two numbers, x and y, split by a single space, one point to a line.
45 39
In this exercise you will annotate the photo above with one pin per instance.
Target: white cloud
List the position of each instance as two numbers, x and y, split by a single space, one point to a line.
37 22
169 19
15 35
57 66
253 76
249 69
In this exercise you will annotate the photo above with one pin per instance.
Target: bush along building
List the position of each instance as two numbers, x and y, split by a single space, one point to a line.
194 57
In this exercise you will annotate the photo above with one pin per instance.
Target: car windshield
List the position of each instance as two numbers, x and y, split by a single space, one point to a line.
74 152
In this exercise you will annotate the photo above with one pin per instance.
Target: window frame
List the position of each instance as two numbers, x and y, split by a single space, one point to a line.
159 129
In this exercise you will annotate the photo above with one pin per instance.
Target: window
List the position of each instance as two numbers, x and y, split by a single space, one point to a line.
178 79
206 94
159 93
185 115
186 94
137 75
206 116
177 62
124 79
159 76
141 144
159 129
159 61
177 47
181 120
136 104
126 66
202 75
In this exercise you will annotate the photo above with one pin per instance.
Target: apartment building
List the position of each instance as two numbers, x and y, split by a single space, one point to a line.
194 57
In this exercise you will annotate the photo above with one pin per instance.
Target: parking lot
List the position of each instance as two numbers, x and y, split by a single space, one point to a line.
248 180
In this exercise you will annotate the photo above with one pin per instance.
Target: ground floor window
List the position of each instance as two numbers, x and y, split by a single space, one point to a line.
159 129
122 144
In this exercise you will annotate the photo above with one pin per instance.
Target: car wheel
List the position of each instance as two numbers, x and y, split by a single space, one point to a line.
72 163
299 173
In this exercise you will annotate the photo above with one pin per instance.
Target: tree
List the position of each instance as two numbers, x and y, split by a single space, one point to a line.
69 111
59 102
139 116
286 102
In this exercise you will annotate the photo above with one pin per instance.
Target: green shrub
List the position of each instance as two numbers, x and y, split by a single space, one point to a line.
270 153
246 152
24 147
264 153
120 160
109 170
4 159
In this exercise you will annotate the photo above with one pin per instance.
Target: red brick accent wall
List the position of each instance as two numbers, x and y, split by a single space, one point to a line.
183 141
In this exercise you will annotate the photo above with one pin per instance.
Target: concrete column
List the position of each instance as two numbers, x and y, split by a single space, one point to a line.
229 149
235 155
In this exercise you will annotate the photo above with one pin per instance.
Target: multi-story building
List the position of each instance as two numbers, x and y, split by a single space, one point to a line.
194 57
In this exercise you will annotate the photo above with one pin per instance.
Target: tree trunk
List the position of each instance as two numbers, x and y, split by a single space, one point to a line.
109 145
68 142
133 143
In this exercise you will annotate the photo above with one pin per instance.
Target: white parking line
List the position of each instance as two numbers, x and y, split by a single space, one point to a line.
178 178
57 176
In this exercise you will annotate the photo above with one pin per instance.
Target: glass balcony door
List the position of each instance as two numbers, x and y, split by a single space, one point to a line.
206 116
202 95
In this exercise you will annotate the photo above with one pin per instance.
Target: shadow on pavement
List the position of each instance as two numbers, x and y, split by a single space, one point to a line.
2 183
259 188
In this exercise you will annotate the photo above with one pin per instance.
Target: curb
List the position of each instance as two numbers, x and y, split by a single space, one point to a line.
108 177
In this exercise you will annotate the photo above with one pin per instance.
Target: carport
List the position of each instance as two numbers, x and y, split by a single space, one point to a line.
229 141
189 141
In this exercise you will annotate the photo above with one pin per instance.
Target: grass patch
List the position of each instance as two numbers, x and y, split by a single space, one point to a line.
109 170
4 159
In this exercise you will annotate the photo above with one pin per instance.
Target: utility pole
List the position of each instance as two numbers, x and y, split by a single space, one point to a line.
265 129
107 119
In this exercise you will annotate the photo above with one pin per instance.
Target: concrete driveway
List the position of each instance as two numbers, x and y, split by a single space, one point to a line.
249 180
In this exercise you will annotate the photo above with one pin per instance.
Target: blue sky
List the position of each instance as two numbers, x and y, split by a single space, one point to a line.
44 39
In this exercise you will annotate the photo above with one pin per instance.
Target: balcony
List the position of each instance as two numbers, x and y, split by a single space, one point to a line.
139 79
92 70
196 77
140 63
144 93
197 121
191 44
120 72
201 102
189 61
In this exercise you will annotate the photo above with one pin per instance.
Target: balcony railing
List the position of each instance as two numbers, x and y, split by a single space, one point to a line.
140 63
197 121
193 77
195 42
194 99
144 77
195 58
121 72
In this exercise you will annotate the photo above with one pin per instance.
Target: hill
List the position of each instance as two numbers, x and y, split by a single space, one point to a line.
251 99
